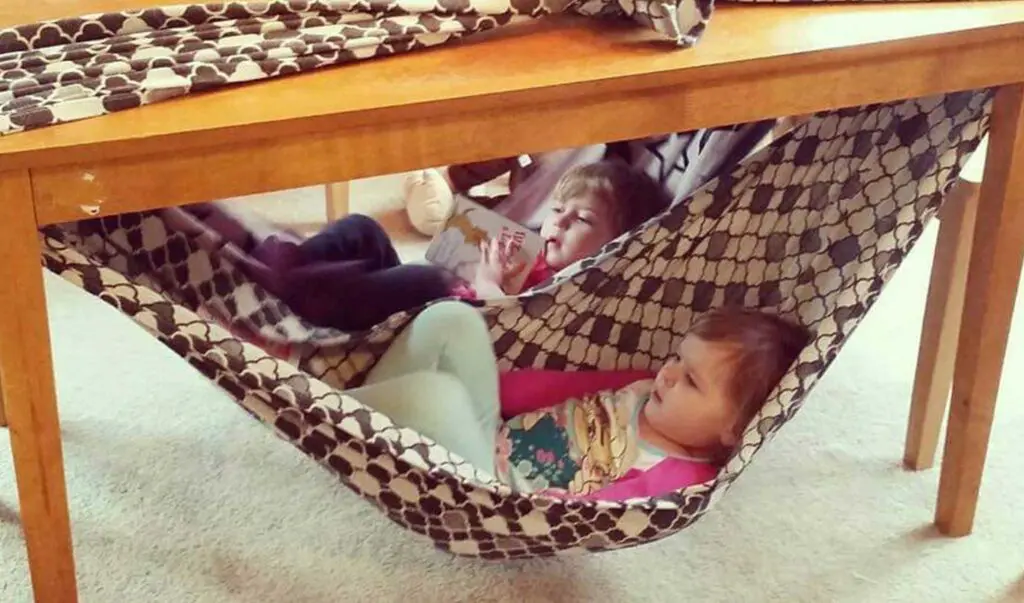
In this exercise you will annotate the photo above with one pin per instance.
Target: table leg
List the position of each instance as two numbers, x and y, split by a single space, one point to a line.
26 380
337 194
937 351
996 258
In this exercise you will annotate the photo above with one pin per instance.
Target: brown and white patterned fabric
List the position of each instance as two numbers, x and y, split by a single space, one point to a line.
812 226
85 66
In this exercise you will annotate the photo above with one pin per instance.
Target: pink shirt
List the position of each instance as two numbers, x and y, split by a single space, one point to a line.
525 391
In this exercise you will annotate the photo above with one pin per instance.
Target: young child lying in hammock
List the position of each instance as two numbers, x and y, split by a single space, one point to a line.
652 436
592 204
349 275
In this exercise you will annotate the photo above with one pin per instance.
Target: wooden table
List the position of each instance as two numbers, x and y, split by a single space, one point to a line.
445 106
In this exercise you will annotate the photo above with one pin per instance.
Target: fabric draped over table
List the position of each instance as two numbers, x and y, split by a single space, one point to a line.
79 67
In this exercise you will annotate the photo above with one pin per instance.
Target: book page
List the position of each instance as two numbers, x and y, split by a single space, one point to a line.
457 246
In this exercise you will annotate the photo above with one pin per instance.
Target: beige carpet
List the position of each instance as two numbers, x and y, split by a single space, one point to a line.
176 495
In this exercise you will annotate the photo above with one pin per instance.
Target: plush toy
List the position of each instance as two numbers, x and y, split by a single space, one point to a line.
429 200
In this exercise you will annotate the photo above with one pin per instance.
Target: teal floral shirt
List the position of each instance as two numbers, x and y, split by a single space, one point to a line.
578 446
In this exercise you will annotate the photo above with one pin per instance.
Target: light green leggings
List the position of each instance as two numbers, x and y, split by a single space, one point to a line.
440 377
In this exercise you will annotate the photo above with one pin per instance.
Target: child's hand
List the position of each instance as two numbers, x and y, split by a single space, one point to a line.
497 266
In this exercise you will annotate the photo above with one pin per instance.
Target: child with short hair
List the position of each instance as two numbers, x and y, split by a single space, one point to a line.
652 436
592 205
349 275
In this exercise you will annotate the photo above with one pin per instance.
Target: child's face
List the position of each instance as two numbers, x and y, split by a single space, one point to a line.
576 228
690 404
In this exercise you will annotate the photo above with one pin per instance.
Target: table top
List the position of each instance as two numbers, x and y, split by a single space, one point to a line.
591 57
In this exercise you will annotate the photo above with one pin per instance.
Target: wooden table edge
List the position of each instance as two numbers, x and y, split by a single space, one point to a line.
107 185
702 75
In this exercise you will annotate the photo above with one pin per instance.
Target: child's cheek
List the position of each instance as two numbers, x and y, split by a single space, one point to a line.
676 411
651 413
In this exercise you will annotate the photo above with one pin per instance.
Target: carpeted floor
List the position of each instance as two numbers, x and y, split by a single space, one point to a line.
176 495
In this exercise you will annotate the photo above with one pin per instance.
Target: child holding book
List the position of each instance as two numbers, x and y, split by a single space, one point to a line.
350 277
649 437
592 204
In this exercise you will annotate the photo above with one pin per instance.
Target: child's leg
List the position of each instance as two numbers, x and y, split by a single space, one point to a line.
226 225
438 406
345 296
449 337
348 275
354 237
440 377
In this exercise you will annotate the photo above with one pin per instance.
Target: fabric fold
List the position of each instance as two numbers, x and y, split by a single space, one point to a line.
75 68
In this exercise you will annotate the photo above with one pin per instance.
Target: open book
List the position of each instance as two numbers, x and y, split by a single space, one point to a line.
456 246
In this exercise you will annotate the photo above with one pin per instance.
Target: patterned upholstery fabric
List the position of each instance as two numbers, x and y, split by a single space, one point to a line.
811 226
80 67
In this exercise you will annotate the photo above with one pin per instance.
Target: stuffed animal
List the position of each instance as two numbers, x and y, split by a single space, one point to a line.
428 201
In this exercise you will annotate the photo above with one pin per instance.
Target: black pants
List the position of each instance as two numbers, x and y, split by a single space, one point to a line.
349 276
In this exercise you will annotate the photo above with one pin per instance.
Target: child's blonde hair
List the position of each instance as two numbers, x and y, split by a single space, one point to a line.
632 196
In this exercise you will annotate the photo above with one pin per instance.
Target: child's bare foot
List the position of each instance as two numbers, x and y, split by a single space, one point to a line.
428 200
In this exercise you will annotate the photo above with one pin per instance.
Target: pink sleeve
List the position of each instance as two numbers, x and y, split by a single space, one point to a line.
526 390
667 476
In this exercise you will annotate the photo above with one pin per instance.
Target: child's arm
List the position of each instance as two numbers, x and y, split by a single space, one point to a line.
526 390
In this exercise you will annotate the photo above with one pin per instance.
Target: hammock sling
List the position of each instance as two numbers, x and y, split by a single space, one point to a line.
811 226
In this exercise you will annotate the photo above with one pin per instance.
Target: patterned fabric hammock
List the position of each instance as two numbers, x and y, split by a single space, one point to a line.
812 226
